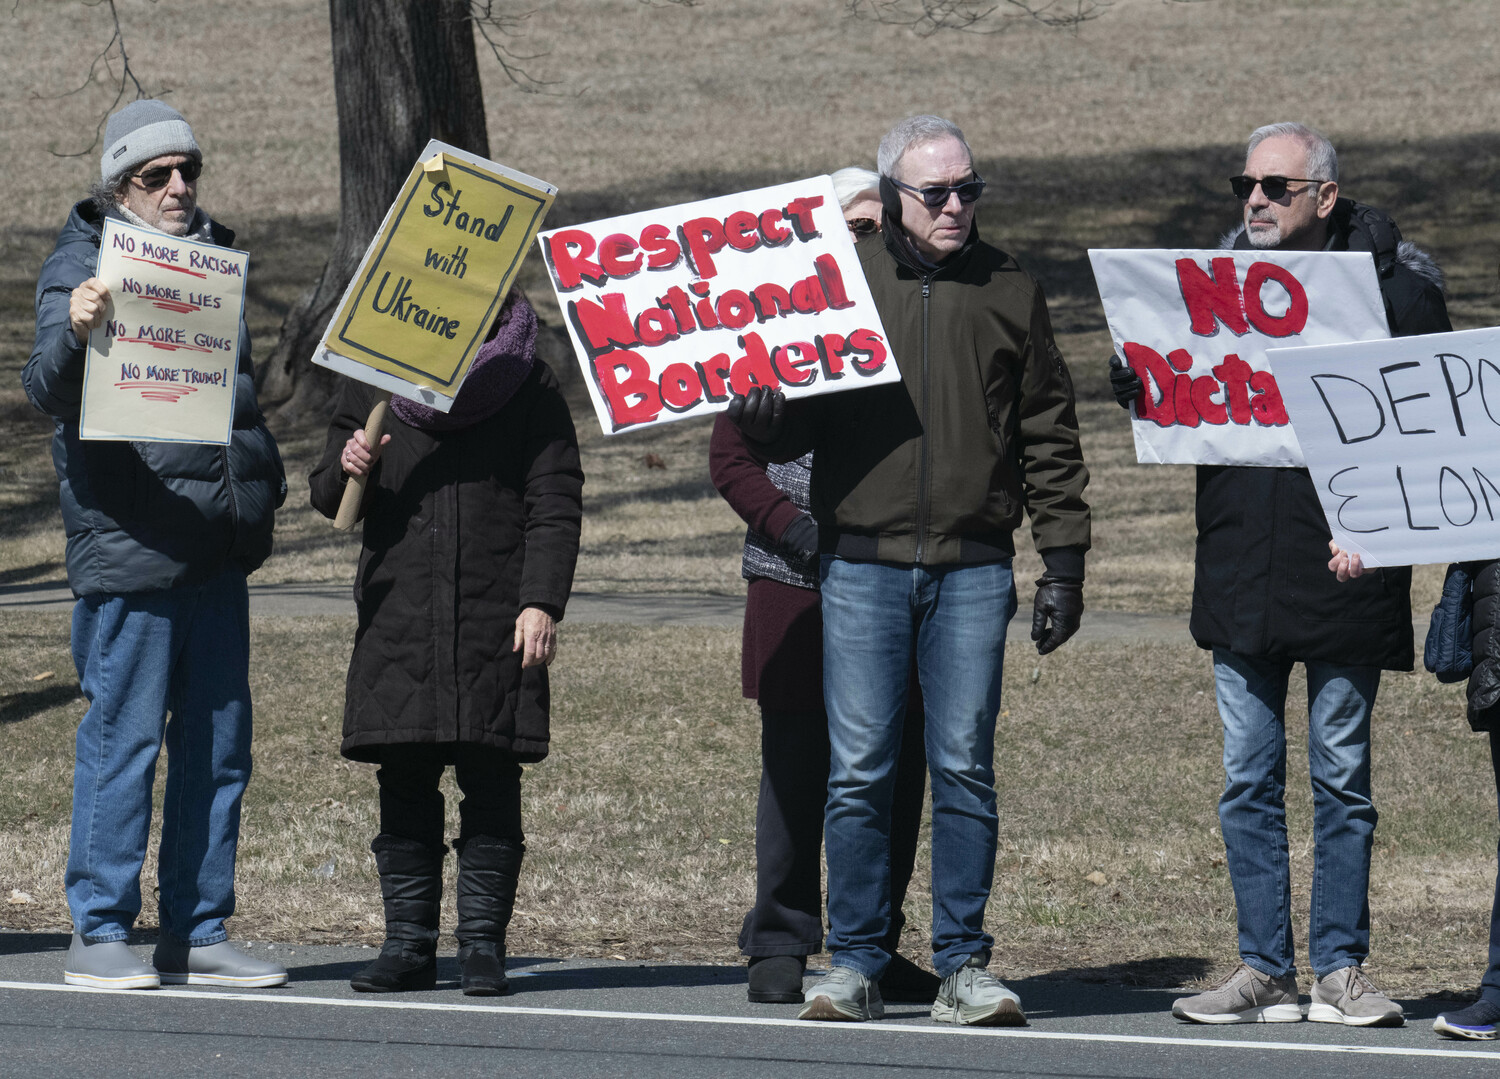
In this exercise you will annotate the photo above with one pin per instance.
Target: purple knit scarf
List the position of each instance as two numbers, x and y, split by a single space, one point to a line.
502 364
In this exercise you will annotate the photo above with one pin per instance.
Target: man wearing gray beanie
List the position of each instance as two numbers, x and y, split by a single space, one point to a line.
160 538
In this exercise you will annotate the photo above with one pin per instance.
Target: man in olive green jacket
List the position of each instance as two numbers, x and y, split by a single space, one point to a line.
917 488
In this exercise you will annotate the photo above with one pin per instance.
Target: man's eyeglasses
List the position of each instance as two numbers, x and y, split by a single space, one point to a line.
937 196
159 177
863 226
1273 186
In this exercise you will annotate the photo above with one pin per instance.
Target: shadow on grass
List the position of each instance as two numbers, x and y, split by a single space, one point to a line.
19 707
50 573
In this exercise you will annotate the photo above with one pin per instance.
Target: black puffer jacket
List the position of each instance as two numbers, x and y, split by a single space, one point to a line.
146 516
1484 682
462 529
1261 585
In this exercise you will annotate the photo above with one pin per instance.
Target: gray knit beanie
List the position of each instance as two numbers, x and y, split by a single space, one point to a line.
139 132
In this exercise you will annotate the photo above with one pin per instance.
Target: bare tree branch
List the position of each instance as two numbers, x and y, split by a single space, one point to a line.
127 78
494 25
927 17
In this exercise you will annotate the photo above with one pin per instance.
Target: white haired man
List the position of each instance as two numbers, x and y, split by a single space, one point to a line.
1264 599
917 489
160 538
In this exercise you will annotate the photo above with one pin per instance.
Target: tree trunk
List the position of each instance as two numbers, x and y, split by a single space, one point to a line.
404 71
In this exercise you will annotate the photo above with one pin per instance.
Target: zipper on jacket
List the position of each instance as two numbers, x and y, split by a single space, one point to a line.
234 509
925 467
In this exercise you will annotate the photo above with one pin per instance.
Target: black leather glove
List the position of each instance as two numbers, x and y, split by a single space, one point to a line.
1124 383
1056 611
758 414
801 538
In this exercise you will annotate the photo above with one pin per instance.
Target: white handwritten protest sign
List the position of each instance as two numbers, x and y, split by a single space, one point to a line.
673 310
162 367
1195 325
1402 438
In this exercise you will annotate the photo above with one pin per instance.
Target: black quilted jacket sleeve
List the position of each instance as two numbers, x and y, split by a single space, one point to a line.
1484 682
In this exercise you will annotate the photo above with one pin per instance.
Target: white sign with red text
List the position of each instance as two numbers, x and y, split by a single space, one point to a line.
673 310
162 366
1402 438
1195 325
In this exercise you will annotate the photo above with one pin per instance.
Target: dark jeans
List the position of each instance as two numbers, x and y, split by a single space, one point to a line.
411 805
787 918
1489 985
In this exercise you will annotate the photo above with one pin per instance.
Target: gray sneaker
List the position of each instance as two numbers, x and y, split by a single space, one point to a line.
214 964
1246 996
972 996
106 965
845 996
1348 996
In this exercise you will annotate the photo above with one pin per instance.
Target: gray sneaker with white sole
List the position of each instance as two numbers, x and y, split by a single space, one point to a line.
107 965
1246 996
215 964
972 996
1348 996
844 996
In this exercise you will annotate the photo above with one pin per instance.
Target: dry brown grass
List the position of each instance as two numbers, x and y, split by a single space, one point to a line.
640 824
1117 136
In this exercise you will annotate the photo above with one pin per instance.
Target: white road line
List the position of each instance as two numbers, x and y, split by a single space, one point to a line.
876 1029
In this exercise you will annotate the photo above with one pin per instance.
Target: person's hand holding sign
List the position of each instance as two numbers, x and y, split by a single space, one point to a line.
1345 565
359 456
537 633
87 306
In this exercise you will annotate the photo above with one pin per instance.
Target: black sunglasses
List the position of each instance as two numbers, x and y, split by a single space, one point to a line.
863 226
1273 186
159 177
937 195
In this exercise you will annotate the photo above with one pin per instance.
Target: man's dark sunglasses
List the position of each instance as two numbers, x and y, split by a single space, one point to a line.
1273 186
159 177
937 196
863 226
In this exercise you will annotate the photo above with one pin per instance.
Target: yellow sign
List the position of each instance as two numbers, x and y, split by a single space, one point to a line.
433 279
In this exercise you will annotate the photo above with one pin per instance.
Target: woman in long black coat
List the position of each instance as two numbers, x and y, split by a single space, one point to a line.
471 524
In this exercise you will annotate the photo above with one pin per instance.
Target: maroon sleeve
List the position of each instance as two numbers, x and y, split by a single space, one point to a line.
741 478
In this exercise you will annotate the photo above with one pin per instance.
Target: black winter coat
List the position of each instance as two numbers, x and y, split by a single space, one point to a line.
462 529
1261 585
1484 682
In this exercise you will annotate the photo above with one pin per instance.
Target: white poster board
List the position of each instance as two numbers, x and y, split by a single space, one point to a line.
1402 438
673 310
162 366
1195 325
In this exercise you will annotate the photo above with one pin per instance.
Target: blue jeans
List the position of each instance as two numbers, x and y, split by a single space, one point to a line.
873 614
186 651
1489 985
1252 812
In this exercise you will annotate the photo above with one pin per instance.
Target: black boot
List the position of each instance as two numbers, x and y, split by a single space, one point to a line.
411 887
488 868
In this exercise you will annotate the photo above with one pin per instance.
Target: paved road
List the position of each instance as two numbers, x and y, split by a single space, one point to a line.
579 1018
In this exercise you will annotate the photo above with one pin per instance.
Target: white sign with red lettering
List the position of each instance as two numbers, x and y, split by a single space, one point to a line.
673 310
1195 325
1403 443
